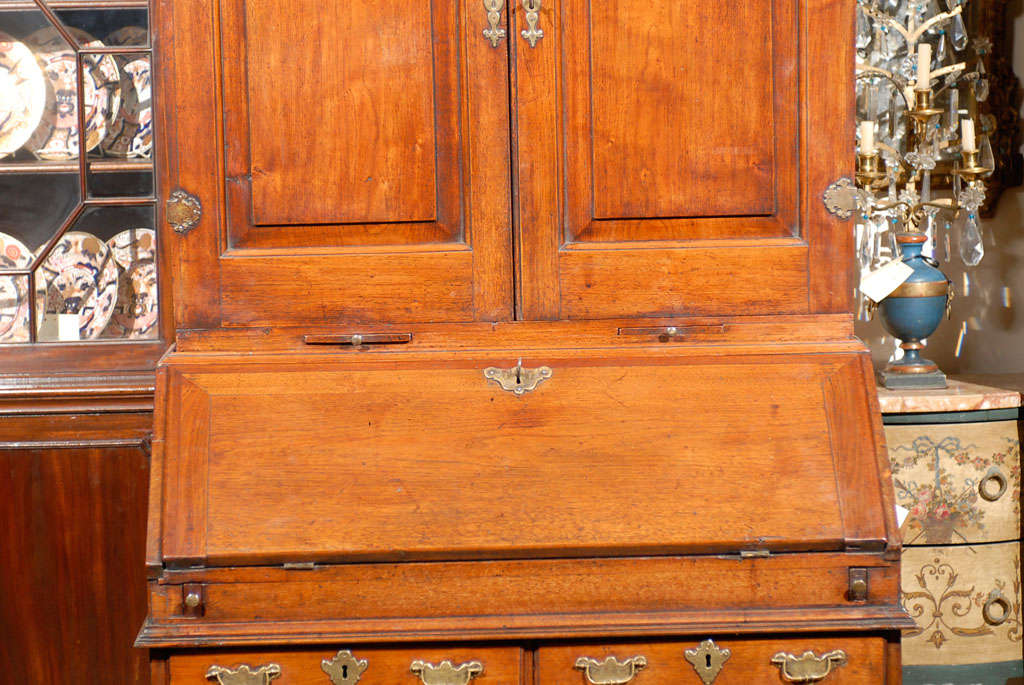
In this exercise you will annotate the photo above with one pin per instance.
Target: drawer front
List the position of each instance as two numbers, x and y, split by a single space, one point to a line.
403 457
966 601
334 666
960 481
724 662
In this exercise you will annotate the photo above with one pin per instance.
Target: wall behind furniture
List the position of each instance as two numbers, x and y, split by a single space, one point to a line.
993 311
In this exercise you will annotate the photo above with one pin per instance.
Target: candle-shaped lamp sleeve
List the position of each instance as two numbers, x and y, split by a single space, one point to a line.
867 137
924 66
967 143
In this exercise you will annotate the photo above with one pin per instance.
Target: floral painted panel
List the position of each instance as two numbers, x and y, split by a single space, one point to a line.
960 481
966 601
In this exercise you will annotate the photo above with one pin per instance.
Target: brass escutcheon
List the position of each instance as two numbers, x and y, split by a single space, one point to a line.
445 673
344 668
808 667
531 33
243 674
183 211
707 660
611 671
518 380
494 32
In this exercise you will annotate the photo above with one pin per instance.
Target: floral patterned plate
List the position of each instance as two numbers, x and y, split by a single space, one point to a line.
131 130
135 314
56 137
133 245
22 94
79 277
14 298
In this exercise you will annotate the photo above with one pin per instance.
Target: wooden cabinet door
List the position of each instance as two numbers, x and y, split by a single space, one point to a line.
671 156
351 159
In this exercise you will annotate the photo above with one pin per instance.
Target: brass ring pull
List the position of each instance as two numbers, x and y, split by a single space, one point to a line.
494 32
446 673
808 667
996 598
611 671
993 475
244 674
531 33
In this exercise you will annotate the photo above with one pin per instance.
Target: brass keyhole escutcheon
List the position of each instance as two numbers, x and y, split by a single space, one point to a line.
344 668
707 660
518 380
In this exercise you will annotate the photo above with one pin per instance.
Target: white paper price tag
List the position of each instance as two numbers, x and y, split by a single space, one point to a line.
901 515
67 327
879 283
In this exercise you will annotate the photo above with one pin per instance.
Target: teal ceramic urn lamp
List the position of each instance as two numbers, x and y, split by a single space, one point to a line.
911 313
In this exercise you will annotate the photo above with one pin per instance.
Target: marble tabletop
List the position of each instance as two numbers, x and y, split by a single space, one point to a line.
961 395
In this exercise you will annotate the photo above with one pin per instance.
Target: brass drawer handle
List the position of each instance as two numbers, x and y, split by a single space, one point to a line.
808 667
611 671
518 380
446 673
531 33
996 476
344 668
494 32
244 675
707 660
996 598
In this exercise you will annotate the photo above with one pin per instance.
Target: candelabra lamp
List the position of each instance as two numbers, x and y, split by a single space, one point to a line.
919 168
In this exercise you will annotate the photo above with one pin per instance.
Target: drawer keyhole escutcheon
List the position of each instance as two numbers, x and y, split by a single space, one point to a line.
808 667
446 673
243 674
611 671
518 380
344 668
708 660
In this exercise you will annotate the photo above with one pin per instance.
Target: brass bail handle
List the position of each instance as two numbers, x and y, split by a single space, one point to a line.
531 33
611 671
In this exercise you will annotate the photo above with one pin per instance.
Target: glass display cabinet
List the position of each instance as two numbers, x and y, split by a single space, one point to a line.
81 329
78 250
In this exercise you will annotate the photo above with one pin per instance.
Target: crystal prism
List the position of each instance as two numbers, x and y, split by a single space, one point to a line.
863 30
981 89
985 156
958 33
971 248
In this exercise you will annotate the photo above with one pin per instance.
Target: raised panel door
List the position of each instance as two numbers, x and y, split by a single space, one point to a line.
363 174
669 158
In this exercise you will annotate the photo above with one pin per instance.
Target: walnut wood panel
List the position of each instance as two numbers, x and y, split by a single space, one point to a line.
749 662
70 560
380 191
525 599
371 69
344 474
501 665
662 178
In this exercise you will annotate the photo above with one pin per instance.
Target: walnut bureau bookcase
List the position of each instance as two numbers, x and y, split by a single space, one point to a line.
513 346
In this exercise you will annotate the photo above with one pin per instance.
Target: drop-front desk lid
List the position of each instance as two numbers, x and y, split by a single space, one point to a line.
404 452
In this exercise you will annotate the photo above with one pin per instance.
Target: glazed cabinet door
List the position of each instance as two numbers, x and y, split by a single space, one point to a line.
671 156
351 163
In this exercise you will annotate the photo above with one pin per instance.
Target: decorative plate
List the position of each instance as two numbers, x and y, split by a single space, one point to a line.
131 130
22 94
132 246
56 137
14 298
135 313
79 277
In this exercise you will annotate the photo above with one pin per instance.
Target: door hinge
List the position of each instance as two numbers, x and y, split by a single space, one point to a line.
754 553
